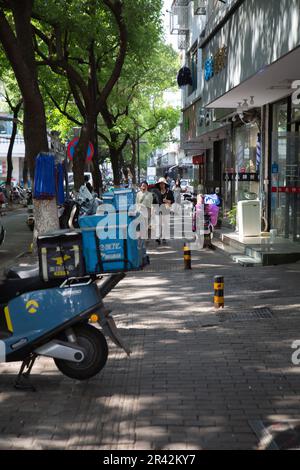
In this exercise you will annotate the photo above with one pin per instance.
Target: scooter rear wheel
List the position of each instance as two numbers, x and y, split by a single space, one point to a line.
96 352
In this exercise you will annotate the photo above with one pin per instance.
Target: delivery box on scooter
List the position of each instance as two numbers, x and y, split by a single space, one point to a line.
110 244
60 255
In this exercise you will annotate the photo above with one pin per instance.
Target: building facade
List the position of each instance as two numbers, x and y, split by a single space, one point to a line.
18 150
242 112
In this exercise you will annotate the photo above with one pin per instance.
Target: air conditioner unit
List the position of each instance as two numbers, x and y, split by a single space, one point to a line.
200 7
179 20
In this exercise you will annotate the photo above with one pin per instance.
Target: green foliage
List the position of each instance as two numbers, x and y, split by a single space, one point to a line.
232 216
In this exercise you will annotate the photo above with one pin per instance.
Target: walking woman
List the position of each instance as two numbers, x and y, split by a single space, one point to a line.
144 201
163 199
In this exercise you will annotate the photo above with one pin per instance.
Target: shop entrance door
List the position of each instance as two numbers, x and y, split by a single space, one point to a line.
293 171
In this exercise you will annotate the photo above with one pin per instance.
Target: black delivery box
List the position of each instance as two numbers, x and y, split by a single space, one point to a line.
60 255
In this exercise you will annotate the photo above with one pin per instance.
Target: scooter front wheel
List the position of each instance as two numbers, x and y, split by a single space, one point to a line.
95 350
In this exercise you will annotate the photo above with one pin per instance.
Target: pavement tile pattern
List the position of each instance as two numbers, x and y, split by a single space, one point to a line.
195 380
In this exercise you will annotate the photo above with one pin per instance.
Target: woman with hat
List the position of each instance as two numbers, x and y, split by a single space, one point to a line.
163 198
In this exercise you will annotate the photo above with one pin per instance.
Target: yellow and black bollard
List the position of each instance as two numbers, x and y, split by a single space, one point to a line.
187 257
219 292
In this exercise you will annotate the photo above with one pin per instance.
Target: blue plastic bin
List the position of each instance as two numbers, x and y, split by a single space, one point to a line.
113 254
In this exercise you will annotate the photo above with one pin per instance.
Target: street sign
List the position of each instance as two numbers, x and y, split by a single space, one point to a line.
71 149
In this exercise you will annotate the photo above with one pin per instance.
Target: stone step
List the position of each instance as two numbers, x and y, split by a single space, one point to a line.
246 261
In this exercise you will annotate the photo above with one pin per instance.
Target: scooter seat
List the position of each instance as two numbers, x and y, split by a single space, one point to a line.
11 288
27 271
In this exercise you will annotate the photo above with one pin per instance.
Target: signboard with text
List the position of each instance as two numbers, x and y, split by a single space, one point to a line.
241 177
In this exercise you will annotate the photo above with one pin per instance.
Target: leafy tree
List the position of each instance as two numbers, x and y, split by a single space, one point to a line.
136 108
12 97
17 42
89 50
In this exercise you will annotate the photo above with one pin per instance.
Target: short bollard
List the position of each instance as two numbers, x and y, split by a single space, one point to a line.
187 257
219 292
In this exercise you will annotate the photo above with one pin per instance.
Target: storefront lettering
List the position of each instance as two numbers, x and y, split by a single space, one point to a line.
246 177
296 94
286 189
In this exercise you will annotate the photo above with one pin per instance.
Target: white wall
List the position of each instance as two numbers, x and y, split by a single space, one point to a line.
258 34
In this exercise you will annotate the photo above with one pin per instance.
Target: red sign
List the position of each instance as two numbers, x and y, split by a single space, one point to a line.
198 159
286 189
71 149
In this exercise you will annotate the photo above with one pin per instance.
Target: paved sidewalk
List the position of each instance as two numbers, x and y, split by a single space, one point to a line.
17 239
195 380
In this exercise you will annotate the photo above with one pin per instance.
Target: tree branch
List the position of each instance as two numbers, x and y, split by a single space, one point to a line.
63 111
117 10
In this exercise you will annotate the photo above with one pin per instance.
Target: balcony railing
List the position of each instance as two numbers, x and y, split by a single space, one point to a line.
182 41
5 139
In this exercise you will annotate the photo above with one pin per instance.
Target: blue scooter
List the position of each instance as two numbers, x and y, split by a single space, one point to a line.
53 320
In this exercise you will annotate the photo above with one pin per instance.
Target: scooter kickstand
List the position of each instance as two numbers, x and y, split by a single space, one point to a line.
23 379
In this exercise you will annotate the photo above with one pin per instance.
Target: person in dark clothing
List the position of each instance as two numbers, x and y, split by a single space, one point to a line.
163 198
88 184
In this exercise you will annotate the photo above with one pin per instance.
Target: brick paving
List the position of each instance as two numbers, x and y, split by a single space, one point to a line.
193 381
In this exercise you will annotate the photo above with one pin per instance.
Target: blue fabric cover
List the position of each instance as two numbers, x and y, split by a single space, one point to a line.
44 179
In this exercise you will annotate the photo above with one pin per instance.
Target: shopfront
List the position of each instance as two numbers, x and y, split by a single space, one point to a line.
242 165
285 169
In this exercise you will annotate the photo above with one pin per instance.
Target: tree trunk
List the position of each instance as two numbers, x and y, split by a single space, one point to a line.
115 162
45 216
80 154
25 173
17 42
97 178
132 165
125 172
10 168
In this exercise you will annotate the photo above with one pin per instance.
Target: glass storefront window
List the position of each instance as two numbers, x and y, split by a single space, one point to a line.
245 148
285 172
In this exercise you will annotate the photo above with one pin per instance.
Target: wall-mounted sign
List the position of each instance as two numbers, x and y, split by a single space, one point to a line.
246 177
214 64
275 168
199 159
286 189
